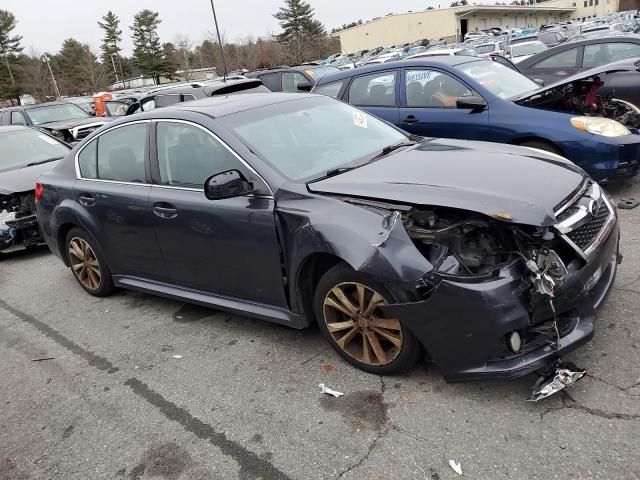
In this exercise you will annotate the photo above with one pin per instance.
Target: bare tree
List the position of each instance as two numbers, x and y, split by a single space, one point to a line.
184 47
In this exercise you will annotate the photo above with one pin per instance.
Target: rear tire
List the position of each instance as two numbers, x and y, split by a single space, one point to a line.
88 264
347 306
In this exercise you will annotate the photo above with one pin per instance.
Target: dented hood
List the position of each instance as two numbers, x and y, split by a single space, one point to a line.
628 65
525 184
23 179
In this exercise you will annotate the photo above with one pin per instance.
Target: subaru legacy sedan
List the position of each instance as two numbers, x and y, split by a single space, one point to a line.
477 99
297 208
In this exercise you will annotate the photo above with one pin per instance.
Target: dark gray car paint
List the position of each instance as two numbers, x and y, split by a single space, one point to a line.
310 225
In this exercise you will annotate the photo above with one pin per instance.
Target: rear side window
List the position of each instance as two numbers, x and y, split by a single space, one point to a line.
291 80
271 81
88 161
566 59
18 118
167 100
121 154
330 89
4 118
377 90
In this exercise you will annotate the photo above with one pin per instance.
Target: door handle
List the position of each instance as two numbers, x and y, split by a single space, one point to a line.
87 199
410 119
165 210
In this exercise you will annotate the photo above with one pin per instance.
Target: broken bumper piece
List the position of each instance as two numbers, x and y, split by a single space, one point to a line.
465 326
563 375
18 232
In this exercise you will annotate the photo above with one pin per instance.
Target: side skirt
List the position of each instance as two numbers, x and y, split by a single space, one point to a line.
211 300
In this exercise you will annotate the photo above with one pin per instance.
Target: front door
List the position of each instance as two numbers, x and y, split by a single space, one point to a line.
228 247
112 201
429 107
377 94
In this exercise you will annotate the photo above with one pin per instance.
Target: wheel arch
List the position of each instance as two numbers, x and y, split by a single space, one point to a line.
532 138
311 270
61 239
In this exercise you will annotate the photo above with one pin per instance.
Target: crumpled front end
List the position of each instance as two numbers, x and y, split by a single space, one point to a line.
505 301
18 222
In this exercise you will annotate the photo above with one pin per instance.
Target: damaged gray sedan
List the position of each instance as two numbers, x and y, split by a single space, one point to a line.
488 258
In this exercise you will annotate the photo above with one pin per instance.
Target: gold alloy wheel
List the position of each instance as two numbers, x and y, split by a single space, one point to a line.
356 322
84 263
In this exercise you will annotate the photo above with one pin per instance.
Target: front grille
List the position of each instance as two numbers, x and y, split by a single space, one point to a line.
585 235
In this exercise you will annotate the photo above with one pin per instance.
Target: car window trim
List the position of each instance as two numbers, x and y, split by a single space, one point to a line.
95 139
153 157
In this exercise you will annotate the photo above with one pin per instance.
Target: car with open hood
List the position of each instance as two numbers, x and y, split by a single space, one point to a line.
297 208
25 153
478 99
63 120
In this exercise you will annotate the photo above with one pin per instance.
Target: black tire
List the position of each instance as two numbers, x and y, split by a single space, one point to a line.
105 286
399 358
542 145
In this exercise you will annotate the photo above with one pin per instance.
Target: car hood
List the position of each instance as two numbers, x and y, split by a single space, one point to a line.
23 179
621 66
519 184
68 124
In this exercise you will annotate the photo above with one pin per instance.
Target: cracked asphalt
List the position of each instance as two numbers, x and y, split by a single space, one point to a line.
243 400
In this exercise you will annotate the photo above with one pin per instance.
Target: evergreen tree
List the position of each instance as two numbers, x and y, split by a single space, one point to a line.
110 42
77 69
9 51
148 53
300 29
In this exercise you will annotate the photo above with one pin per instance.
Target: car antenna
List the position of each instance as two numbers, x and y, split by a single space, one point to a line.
224 63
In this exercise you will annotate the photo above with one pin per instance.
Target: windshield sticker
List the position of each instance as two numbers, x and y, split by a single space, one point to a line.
48 139
360 120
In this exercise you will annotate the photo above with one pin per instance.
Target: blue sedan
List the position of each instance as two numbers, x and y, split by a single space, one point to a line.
476 99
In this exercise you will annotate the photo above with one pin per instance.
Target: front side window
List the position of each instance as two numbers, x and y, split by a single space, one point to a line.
377 90
188 155
291 80
603 53
271 81
56 113
433 89
17 118
566 59
330 89
121 154
304 139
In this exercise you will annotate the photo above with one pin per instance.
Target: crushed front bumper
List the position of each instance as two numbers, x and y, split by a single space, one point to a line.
462 324
19 232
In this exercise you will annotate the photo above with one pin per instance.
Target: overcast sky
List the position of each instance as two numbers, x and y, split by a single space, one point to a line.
44 24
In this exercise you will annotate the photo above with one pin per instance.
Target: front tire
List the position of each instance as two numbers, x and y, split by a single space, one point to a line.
87 264
348 308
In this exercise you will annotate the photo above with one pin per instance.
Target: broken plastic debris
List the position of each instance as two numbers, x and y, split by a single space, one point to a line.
456 466
564 375
628 203
329 368
42 359
177 357
328 391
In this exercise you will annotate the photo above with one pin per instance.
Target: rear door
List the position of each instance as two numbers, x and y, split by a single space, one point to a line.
377 93
429 106
112 200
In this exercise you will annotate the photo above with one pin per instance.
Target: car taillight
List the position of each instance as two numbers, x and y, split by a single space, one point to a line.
39 191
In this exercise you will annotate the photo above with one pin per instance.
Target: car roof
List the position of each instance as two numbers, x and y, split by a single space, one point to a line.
629 38
37 105
433 61
531 42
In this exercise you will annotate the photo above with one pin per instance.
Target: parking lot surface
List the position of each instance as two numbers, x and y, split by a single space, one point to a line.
138 387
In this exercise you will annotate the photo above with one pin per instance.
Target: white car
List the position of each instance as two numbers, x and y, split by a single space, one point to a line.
520 51
490 48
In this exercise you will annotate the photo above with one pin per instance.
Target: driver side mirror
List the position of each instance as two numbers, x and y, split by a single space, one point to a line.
473 102
227 184
305 86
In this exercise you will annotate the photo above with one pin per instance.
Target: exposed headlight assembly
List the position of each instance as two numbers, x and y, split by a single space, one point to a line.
600 126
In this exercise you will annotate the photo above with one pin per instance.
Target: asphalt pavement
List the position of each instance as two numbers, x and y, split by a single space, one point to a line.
138 387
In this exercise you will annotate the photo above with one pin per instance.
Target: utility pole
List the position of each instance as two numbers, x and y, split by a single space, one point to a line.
55 84
6 59
224 62
113 62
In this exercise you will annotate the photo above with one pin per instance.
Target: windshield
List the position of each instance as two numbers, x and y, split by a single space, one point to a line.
527 49
55 113
22 147
305 139
498 79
